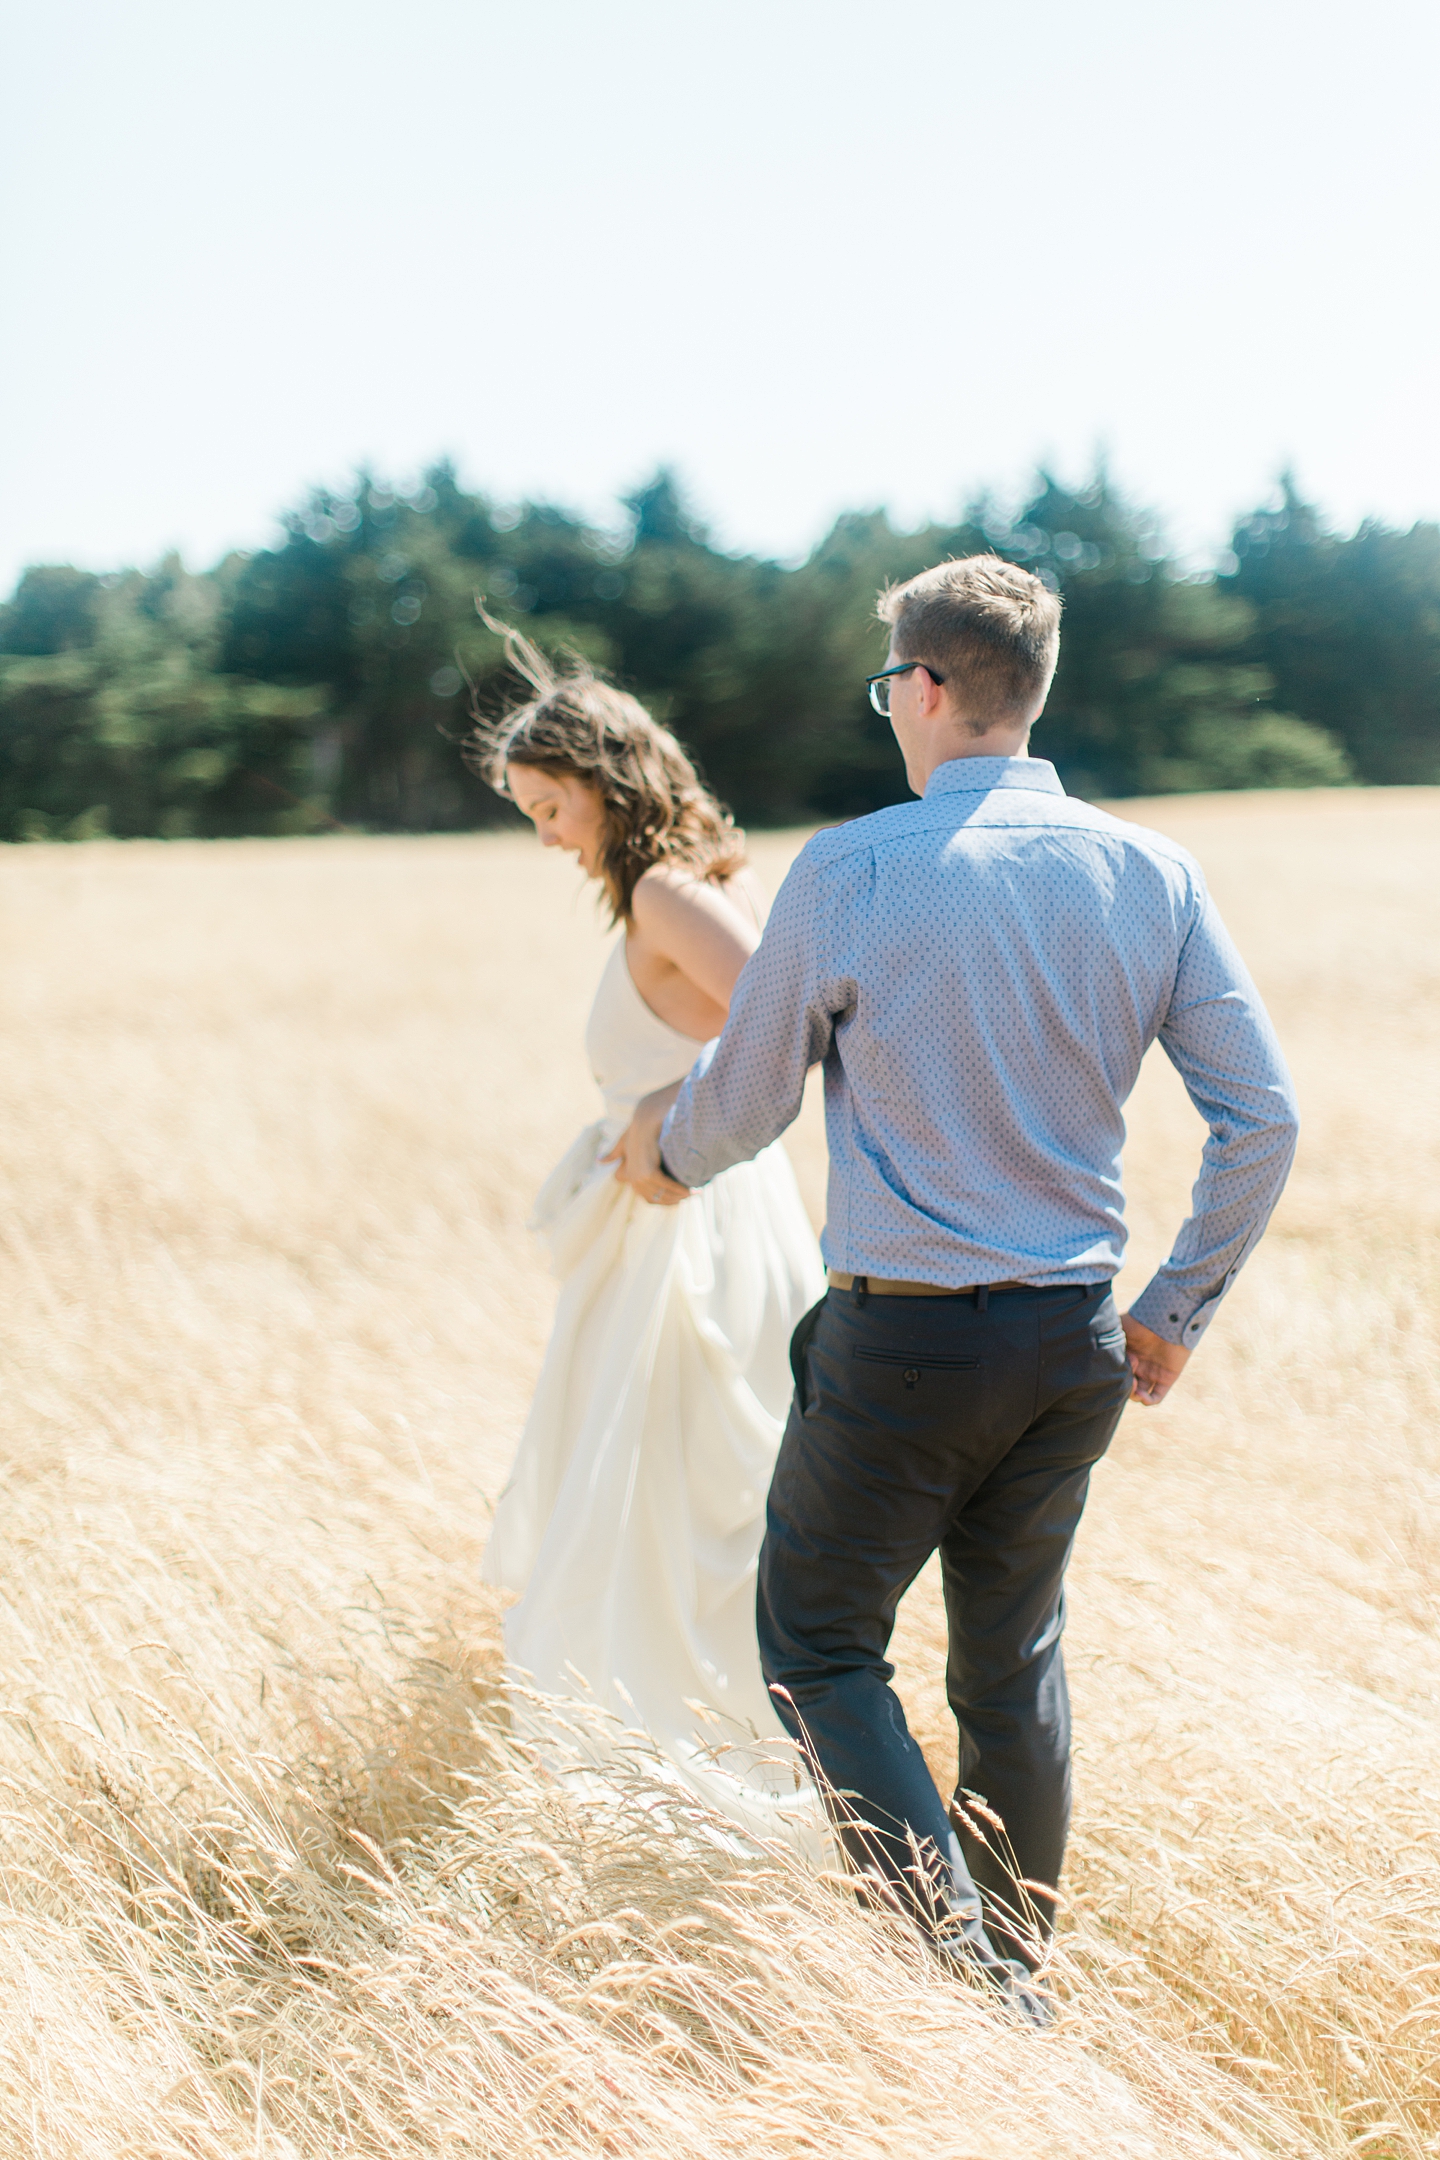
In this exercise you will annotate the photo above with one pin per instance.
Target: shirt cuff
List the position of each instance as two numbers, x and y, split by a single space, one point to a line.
1177 1317
681 1111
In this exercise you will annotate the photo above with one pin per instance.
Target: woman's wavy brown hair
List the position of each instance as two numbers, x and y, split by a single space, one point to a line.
657 808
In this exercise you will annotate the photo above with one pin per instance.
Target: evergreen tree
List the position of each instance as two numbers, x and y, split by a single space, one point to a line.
1156 690
1349 629
114 716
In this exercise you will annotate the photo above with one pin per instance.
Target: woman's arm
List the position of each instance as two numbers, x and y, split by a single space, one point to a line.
706 939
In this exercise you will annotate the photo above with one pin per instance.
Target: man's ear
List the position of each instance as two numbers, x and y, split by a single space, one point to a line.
932 694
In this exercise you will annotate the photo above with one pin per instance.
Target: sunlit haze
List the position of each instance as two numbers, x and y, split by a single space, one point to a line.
815 256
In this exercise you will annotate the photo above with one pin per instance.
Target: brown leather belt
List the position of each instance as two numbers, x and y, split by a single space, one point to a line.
881 1286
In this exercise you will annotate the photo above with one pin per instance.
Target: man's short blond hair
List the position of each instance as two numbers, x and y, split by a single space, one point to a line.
989 627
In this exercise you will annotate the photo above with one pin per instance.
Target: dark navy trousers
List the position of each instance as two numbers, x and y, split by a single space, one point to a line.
969 1424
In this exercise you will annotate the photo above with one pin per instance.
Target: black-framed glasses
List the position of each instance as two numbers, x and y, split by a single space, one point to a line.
879 685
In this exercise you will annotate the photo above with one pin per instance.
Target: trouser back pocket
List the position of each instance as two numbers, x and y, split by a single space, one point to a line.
914 1364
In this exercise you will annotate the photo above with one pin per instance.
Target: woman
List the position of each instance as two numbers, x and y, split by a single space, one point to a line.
633 1515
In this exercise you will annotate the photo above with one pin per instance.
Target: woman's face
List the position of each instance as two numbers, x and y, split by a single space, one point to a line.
565 810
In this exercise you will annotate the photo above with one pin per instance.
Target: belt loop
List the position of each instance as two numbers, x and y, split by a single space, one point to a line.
982 1297
860 1290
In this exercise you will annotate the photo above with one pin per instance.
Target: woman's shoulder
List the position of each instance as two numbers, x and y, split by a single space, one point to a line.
669 889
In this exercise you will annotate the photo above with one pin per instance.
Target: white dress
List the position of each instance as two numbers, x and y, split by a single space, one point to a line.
635 1508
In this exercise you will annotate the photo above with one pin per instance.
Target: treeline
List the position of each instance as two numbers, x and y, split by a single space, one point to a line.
326 681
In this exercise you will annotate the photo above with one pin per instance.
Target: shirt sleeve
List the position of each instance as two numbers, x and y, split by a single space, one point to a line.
1218 1037
746 1086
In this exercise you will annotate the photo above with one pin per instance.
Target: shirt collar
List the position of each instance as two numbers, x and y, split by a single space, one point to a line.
977 775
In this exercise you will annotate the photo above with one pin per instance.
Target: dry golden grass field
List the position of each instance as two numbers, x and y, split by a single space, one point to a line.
277 1880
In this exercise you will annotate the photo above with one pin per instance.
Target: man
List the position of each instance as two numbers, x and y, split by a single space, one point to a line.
981 974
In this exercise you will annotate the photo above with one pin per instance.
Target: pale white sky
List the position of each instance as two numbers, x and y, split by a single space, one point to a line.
817 253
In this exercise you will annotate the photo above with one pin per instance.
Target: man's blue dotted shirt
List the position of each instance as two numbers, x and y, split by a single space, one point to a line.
981 973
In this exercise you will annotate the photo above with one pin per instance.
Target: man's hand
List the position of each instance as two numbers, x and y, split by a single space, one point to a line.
636 1154
1155 1363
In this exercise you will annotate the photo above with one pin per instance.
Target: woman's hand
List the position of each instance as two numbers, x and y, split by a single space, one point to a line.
1154 1363
636 1154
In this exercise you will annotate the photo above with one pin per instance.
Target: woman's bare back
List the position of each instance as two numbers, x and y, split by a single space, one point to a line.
687 940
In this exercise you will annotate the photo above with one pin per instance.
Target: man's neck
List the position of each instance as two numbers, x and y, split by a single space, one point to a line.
959 742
